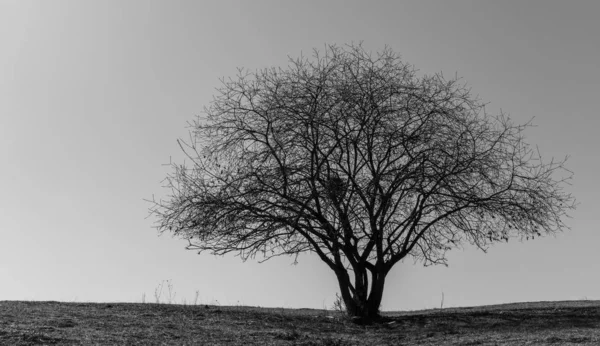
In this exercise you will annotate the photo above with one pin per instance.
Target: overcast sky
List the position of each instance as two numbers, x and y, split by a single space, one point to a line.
94 95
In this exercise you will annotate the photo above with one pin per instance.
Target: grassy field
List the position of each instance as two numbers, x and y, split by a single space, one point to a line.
54 323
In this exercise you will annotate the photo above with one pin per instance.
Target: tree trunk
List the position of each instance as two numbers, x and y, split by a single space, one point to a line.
361 305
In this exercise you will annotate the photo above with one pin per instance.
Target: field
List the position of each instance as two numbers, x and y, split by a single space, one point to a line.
54 323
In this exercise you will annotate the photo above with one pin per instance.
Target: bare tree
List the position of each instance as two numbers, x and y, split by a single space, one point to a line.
357 159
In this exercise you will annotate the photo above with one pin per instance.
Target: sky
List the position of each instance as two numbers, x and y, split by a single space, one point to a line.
94 95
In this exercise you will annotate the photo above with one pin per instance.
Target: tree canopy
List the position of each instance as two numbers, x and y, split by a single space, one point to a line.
358 159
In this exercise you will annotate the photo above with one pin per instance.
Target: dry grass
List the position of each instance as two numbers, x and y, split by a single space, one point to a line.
54 323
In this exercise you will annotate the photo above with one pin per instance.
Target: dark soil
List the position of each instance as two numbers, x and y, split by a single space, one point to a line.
54 323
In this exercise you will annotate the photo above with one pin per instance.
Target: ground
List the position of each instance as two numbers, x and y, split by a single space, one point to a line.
54 323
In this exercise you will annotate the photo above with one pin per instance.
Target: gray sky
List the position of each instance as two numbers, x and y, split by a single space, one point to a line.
94 94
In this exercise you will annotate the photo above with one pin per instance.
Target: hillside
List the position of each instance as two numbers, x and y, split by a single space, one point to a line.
54 323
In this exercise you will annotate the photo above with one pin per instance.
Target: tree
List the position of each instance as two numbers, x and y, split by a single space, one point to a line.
357 159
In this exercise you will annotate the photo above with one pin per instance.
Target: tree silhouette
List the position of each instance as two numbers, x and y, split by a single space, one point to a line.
357 159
